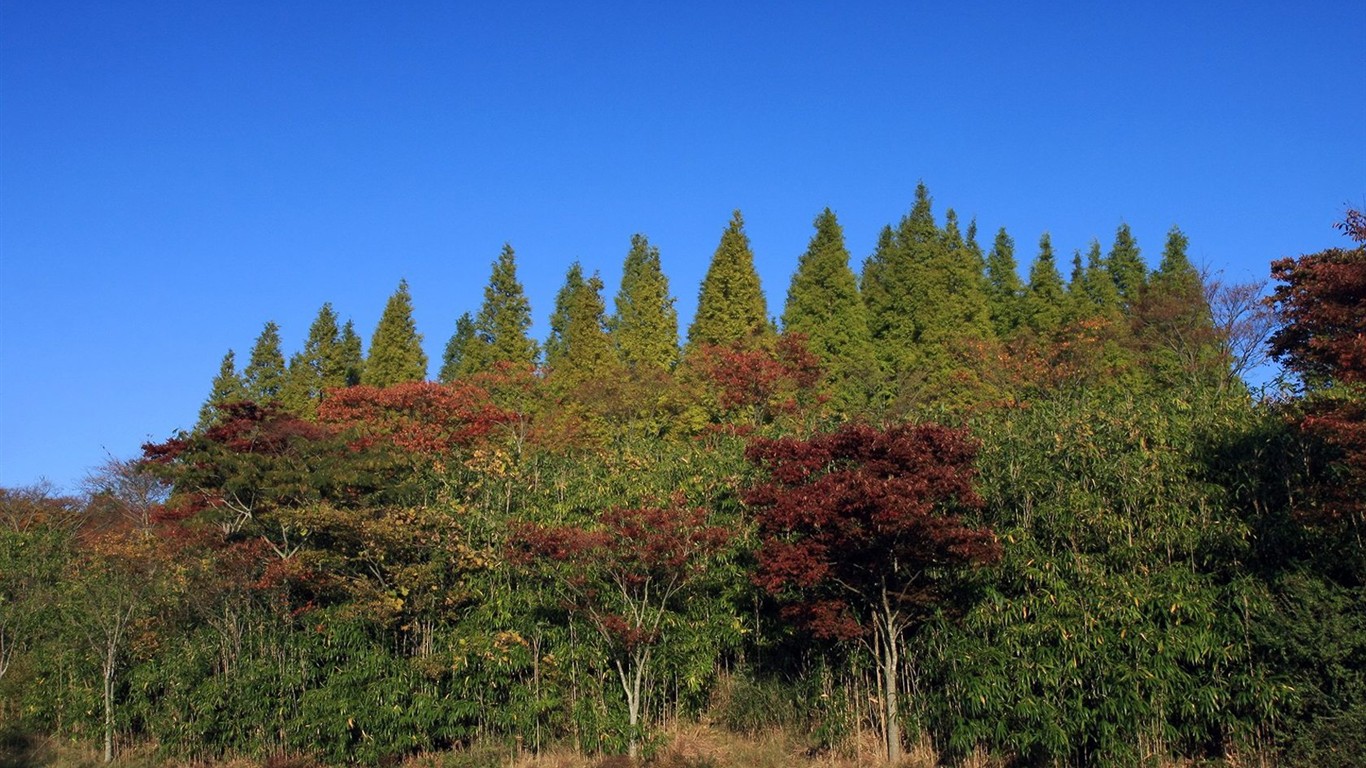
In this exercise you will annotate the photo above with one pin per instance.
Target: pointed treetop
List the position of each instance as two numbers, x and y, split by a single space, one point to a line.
1044 302
313 369
227 388
583 348
265 371
1126 266
1004 288
556 344
1100 287
645 327
504 320
348 363
396 354
731 308
455 348
824 305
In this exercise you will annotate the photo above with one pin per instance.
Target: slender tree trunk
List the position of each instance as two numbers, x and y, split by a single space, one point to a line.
889 663
109 704
632 685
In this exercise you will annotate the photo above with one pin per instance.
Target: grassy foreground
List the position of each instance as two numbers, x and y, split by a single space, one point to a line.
686 746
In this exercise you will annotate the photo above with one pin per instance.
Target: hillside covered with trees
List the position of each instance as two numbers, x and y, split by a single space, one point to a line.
1040 520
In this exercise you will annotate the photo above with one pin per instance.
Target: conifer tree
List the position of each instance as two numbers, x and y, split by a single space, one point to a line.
824 305
1076 302
555 344
1126 266
896 291
348 363
500 328
645 327
1100 287
227 388
265 372
582 345
731 308
311 370
877 289
958 289
396 352
1004 288
1173 320
453 357
1045 299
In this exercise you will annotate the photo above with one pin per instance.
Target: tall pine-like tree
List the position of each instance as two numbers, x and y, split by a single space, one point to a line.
312 369
645 327
731 308
264 375
556 344
895 289
348 363
396 352
500 328
1100 286
1126 266
1173 321
227 388
824 305
580 346
1005 290
1044 303
958 290
453 358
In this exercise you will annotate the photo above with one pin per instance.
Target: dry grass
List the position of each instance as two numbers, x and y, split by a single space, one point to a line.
685 746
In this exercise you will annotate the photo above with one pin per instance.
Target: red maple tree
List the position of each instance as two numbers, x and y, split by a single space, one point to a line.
856 528
630 575
1321 303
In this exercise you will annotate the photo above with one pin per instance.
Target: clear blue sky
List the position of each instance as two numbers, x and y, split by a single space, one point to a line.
173 175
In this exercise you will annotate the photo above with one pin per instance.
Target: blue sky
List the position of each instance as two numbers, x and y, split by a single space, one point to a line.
173 175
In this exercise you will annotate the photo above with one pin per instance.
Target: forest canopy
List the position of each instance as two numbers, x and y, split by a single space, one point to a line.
941 500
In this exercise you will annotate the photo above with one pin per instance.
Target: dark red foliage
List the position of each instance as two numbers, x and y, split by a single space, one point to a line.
849 517
629 568
762 383
1321 303
422 418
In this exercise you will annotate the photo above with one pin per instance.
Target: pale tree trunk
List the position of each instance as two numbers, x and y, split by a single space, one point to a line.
633 685
887 626
109 661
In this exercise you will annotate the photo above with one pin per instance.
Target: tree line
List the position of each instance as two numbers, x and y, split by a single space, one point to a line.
1043 520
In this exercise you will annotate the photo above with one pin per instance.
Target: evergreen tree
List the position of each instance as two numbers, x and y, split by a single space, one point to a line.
731 308
1044 302
311 370
348 363
396 348
1076 302
1005 290
896 289
454 355
1173 321
227 388
878 290
824 305
1100 287
645 328
1126 266
928 302
555 344
582 346
265 372
958 289
500 328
